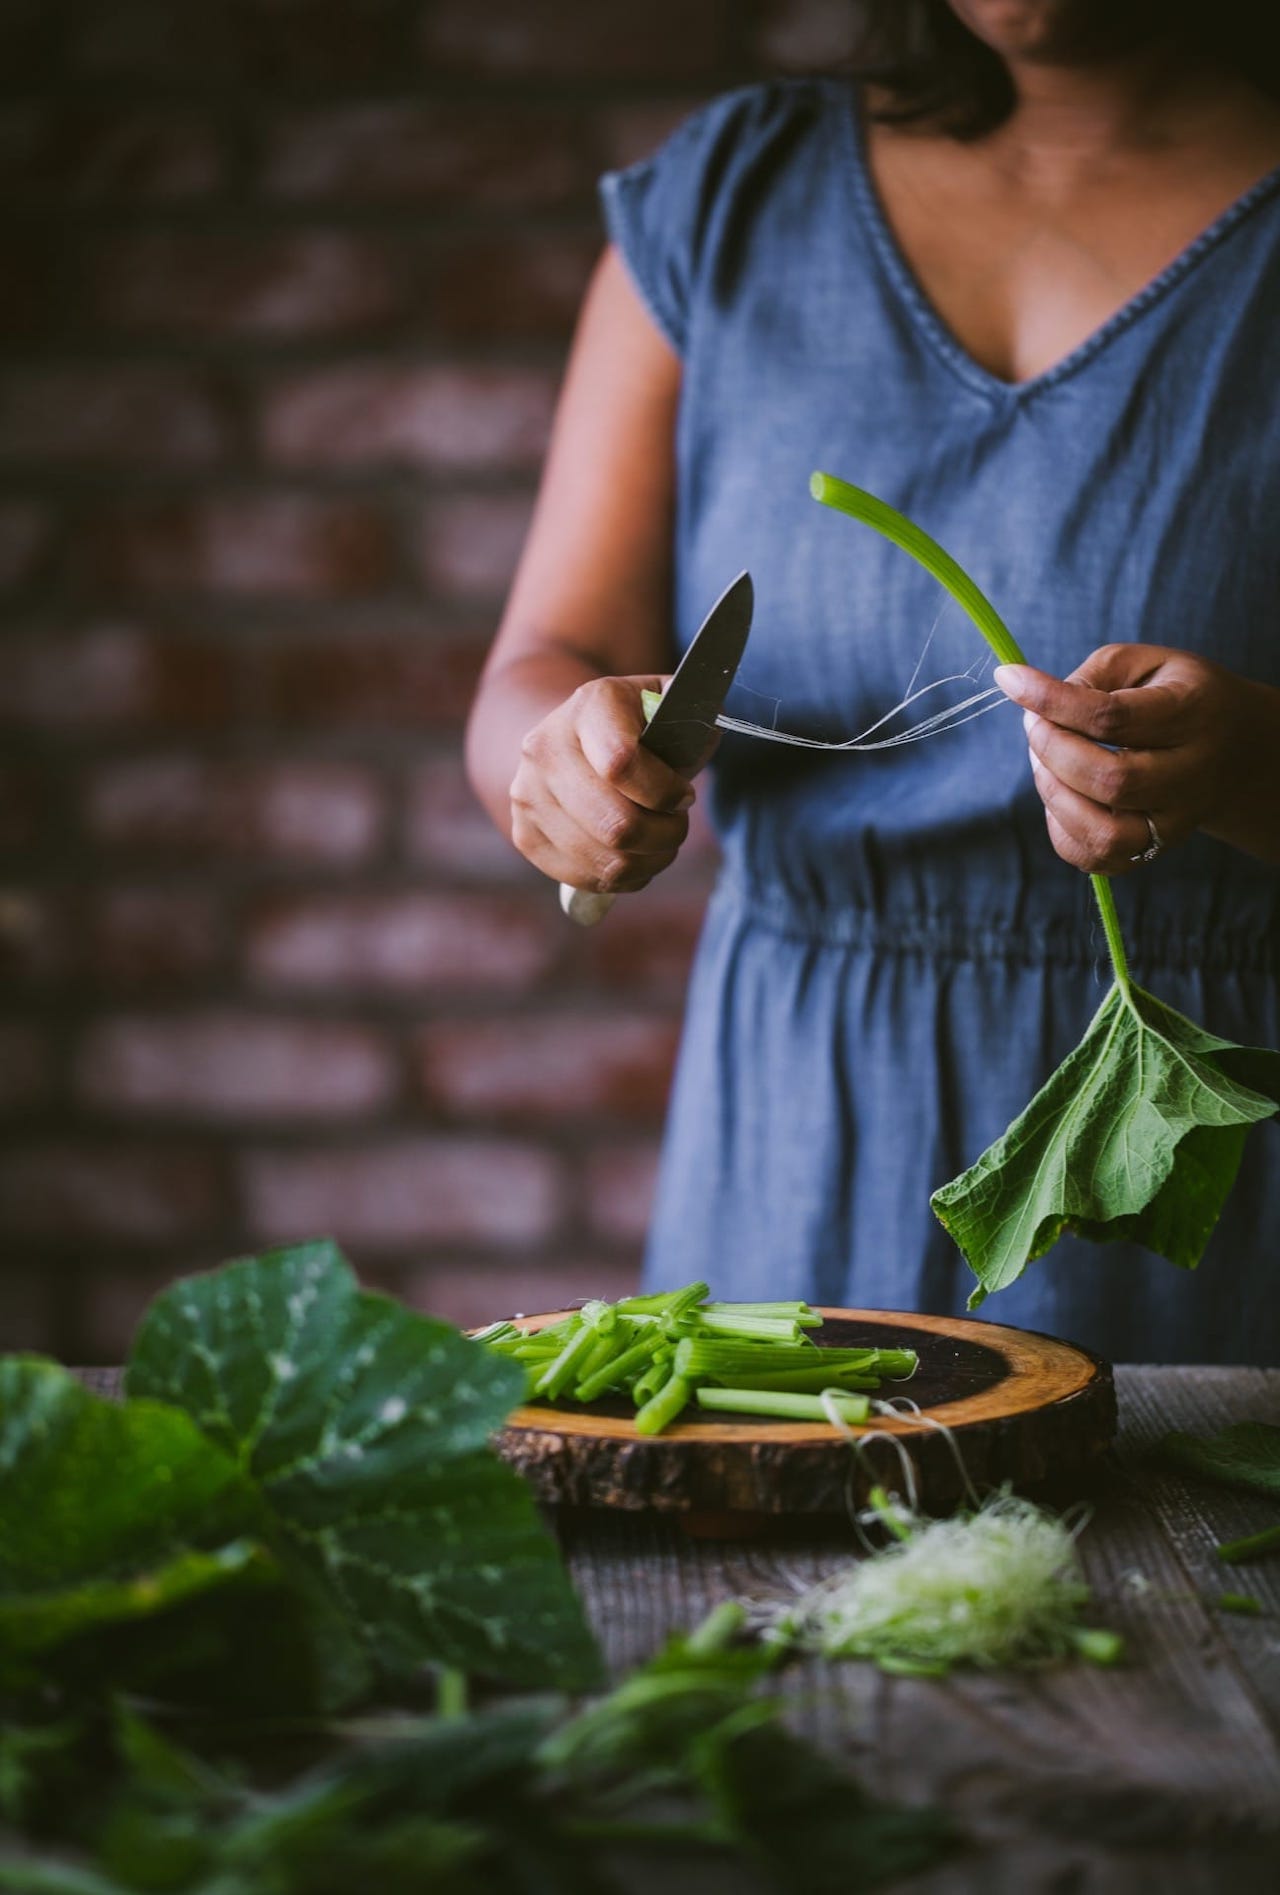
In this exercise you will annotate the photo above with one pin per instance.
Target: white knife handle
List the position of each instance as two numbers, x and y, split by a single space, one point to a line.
584 906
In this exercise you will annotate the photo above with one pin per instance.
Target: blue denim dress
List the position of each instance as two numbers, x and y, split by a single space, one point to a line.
894 959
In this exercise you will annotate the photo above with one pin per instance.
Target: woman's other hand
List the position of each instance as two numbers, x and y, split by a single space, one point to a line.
591 806
1142 732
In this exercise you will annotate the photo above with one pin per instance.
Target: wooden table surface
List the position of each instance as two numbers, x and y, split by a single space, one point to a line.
1160 1775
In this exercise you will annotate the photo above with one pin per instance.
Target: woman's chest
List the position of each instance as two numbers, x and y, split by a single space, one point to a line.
1129 494
1022 274
1131 501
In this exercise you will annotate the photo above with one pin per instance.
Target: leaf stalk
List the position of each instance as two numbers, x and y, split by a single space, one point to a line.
1111 928
939 564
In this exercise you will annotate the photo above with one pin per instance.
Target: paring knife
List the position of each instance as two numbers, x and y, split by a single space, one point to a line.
679 728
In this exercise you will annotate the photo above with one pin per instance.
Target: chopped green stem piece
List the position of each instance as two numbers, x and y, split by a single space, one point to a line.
765 1328
664 1406
567 1326
791 1352
1242 1602
602 1317
712 1355
780 1406
496 1332
668 1299
544 1348
803 1381
605 1350
794 1312
565 1367
708 1355
629 1363
1096 1646
894 1365
654 1377
1255 1546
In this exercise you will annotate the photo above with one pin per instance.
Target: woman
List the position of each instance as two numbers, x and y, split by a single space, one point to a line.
1023 281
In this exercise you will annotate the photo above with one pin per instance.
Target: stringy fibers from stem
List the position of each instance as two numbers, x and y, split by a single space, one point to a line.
998 1587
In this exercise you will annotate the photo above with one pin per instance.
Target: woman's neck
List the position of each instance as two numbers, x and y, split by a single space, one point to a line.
1071 118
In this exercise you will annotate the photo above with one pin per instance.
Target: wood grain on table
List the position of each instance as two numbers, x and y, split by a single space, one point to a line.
1160 1775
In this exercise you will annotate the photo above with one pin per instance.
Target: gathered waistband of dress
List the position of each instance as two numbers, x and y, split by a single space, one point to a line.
1049 940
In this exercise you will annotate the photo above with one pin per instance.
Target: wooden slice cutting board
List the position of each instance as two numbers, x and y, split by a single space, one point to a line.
1022 1408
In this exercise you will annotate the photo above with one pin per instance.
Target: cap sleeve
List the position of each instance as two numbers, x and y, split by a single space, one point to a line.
662 214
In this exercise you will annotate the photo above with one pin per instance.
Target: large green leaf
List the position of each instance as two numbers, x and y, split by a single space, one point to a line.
366 1428
108 1513
1247 1455
1137 1136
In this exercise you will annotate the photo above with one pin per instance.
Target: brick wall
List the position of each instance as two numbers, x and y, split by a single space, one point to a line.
284 291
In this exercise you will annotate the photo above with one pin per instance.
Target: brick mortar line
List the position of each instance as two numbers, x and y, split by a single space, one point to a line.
577 1139
586 1003
425 219
536 92
216 615
244 358
212 482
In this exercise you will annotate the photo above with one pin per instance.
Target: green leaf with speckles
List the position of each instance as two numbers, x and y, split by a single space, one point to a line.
109 1514
365 1428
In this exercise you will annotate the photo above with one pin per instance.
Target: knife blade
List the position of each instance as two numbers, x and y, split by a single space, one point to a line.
682 723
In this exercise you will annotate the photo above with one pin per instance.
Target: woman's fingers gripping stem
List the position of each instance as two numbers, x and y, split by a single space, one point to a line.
1122 696
1130 735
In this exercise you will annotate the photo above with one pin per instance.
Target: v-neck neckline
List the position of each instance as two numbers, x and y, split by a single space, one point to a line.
943 339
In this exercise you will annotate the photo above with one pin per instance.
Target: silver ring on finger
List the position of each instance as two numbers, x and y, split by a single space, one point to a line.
1155 843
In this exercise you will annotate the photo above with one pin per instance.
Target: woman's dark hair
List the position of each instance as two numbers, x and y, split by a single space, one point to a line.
926 64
